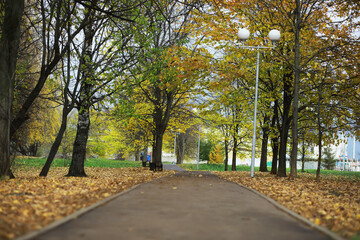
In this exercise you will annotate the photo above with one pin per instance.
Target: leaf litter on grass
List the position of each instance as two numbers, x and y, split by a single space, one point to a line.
333 202
29 202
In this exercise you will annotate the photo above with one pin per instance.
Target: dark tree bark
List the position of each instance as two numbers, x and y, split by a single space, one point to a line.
157 151
303 156
9 45
79 152
275 139
264 144
55 146
319 130
144 159
233 165
294 150
180 148
275 150
284 133
86 67
226 154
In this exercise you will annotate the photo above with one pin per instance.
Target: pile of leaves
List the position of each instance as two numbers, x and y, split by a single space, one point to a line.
333 202
30 202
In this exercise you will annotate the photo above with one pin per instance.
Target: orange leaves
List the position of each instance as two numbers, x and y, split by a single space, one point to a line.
333 203
30 202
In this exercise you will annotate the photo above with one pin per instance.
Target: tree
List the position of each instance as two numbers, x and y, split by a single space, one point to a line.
216 154
329 159
9 44
168 70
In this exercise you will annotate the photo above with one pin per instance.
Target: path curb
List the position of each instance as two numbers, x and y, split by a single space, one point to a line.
325 231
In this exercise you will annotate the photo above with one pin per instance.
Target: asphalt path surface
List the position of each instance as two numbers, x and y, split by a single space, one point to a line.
187 205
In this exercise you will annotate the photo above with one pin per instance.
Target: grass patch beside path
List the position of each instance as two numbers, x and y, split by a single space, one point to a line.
90 162
214 167
220 167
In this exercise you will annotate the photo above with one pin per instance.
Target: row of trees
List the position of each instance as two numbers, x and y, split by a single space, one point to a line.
145 65
109 55
308 83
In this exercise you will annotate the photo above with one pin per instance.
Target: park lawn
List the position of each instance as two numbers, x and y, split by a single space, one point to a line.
333 202
220 167
89 162
29 202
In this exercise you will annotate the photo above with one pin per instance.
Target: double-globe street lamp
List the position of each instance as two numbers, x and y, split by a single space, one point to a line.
274 36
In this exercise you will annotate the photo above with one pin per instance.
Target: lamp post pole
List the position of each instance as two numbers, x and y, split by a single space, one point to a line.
198 156
274 36
255 112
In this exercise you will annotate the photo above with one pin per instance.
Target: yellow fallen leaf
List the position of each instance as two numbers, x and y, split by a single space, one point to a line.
174 188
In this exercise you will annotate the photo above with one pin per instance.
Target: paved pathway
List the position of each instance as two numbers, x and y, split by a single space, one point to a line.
188 205
173 167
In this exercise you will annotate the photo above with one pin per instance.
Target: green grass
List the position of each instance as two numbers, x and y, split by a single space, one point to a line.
214 167
336 173
90 162
220 167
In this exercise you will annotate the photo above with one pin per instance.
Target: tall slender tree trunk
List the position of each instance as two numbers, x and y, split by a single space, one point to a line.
79 150
275 139
55 146
264 145
233 165
320 132
275 150
319 159
226 154
284 132
9 45
303 156
294 150
180 148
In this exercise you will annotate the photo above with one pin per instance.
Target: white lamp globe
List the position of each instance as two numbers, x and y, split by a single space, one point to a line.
274 35
243 34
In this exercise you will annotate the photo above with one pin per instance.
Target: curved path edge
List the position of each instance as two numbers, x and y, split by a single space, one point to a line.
324 230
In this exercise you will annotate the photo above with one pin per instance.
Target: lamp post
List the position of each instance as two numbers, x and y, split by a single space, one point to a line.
274 36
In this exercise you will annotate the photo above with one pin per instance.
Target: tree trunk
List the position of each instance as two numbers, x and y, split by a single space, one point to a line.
282 150
55 146
303 157
157 151
320 132
264 144
275 138
226 155
9 45
284 132
144 160
137 155
319 159
233 165
180 148
275 150
79 151
294 150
